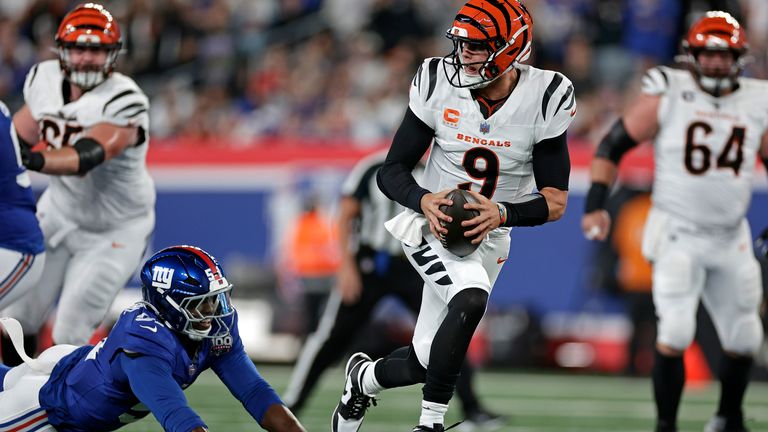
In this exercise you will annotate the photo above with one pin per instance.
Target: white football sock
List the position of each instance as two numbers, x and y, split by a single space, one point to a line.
370 385
432 412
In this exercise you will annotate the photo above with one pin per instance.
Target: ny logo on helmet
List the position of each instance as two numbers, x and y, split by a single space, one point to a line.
161 277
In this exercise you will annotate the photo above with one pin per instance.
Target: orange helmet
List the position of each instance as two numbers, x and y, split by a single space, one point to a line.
88 25
716 31
502 27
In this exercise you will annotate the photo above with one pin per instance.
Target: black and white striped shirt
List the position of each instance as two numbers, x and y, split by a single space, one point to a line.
375 208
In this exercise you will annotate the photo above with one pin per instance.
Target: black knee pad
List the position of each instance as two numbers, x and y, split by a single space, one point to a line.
416 371
469 305
400 368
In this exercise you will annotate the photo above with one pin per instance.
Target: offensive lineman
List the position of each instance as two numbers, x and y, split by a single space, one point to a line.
98 211
708 125
498 126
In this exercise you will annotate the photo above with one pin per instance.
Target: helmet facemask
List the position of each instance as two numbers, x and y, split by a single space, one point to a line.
88 26
205 314
716 31
715 84
87 76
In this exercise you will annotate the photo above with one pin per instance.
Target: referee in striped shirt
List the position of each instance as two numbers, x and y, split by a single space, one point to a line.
373 266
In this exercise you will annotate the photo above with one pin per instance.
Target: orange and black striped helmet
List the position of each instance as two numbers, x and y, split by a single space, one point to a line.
503 27
88 25
715 31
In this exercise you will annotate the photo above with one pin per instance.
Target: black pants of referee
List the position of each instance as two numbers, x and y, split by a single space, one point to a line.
381 275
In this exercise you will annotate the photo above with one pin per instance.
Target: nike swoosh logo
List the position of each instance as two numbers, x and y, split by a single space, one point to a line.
501 260
152 329
573 113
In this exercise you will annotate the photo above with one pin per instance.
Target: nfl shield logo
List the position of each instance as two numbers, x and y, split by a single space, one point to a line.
192 370
485 127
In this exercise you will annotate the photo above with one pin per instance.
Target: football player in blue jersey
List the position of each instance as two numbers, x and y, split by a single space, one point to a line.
158 347
22 253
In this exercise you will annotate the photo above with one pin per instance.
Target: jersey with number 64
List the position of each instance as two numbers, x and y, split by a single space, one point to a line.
492 156
117 190
706 147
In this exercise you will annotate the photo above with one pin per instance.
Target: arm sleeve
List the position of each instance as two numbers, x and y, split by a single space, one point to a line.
552 163
242 378
152 382
395 178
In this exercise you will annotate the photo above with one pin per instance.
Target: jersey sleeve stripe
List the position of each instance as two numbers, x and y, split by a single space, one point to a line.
655 81
116 97
565 98
127 107
417 78
556 80
432 76
34 74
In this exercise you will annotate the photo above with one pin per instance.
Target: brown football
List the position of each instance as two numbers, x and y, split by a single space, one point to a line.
455 241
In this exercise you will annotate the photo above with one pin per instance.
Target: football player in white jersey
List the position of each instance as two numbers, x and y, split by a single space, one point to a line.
98 211
496 128
708 125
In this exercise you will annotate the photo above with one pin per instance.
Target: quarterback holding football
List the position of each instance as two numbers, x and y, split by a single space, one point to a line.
497 129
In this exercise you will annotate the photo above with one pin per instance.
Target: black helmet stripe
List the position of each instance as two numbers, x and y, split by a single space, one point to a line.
522 21
474 24
495 23
507 18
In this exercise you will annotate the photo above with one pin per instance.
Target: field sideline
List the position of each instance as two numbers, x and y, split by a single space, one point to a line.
536 402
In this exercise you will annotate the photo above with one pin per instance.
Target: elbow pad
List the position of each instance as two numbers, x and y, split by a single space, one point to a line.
90 153
530 210
615 143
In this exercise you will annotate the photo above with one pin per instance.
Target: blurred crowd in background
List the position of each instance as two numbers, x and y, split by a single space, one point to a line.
337 72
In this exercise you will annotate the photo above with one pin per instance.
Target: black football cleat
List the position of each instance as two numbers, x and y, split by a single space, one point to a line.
349 413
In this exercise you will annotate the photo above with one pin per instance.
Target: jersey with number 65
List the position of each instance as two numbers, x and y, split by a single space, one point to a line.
706 147
491 156
117 190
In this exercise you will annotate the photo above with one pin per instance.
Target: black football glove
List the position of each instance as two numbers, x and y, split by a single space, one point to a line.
31 160
761 245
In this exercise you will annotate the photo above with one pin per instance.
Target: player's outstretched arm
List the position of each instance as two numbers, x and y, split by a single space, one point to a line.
259 398
26 126
279 418
151 380
101 143
640 123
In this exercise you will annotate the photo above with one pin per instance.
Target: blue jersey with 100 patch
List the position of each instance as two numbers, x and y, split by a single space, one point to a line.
88 390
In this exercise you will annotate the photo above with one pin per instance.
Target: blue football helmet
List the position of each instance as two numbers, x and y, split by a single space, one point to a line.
188 290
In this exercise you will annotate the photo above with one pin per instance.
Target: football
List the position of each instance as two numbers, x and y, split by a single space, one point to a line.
454 241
